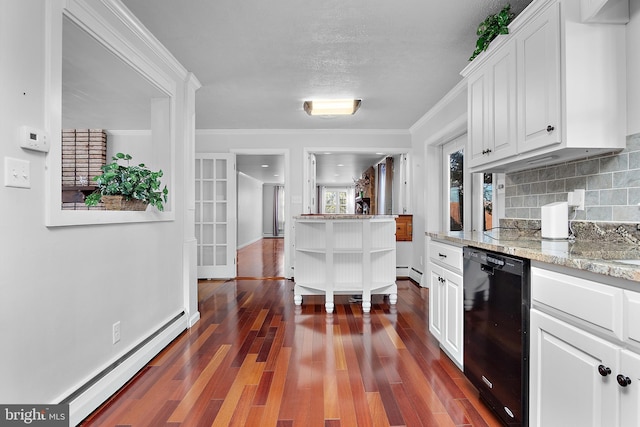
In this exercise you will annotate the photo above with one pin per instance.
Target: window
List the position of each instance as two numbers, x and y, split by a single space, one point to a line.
337 200
456 190
454 184
487 201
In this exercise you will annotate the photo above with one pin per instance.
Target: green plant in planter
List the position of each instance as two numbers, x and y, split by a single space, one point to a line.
491 27
132 182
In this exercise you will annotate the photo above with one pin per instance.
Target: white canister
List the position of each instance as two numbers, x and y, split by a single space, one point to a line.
555 221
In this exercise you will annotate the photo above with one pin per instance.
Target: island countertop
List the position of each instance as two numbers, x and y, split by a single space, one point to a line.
606 258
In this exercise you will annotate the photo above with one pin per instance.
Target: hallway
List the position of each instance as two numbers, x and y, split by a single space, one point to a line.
262 259
255 359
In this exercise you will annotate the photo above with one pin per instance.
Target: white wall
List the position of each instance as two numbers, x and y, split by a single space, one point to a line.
442 123
64 287
136 143
633 69
222 141
249 210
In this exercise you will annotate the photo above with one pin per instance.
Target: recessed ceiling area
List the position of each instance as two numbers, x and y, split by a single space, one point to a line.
258 61
341 168
332 168
268 168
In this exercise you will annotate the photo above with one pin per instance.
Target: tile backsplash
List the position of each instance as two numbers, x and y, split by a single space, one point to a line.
612 184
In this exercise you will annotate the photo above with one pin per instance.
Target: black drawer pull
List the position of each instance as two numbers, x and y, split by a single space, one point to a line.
441 255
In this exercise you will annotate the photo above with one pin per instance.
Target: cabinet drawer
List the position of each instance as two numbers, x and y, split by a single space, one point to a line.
586 300
446 255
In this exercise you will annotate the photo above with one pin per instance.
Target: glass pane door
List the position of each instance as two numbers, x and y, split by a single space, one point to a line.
215 216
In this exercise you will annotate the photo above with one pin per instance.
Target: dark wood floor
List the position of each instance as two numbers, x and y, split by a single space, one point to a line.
255 359
262 259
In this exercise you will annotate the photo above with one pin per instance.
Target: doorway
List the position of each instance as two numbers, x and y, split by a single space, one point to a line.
341 169
263 214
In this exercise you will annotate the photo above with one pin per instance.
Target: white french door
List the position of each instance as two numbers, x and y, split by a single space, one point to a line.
216 215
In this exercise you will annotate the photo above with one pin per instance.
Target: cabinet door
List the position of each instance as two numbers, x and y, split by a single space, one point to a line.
539 93
452 332
502 108
436 301
477 126
566 388
630 395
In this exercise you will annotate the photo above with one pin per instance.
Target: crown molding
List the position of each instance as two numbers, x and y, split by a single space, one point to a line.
458 89
121 12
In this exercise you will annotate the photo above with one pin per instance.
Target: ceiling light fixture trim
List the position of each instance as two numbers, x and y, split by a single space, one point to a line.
332 107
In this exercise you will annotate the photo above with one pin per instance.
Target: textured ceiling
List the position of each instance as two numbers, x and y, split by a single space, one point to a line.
259 60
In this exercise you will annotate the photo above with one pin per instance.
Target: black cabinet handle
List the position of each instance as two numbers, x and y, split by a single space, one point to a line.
550 128
604 371
441 255
487 151
623 381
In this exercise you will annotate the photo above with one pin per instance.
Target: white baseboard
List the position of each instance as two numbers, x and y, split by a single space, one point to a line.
402 271
257 239
91 398
193 319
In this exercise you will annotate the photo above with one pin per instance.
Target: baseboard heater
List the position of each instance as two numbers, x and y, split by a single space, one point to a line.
71 399
416 276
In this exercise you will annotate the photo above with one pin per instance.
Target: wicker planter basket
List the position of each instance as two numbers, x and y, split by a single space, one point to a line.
119 203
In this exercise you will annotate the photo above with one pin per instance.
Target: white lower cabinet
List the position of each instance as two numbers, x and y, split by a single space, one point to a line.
567 388
446 299
629 395
582 373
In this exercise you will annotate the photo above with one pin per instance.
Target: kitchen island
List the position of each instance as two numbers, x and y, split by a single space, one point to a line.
345 254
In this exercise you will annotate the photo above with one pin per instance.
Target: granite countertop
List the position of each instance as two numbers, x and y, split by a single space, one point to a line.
596 256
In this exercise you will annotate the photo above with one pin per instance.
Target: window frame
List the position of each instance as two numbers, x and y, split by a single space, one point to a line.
350 199
162 154
447 149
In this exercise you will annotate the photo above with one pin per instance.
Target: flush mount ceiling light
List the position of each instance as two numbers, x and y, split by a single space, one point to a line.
332 107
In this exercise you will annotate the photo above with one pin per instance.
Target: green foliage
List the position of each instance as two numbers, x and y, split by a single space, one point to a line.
133 182
491 27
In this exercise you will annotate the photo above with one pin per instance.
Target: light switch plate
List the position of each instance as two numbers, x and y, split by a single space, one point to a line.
17 173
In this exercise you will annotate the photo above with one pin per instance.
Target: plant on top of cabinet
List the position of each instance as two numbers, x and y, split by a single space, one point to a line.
491 27
133 184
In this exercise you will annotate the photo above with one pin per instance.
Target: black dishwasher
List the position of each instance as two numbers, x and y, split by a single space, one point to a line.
496 331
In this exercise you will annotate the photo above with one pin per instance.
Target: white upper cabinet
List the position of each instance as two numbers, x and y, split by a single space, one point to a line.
551 90
540 102
492 108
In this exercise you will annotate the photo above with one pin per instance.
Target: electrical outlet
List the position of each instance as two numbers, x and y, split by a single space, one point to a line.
576 199
116 332
17 173
579 196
